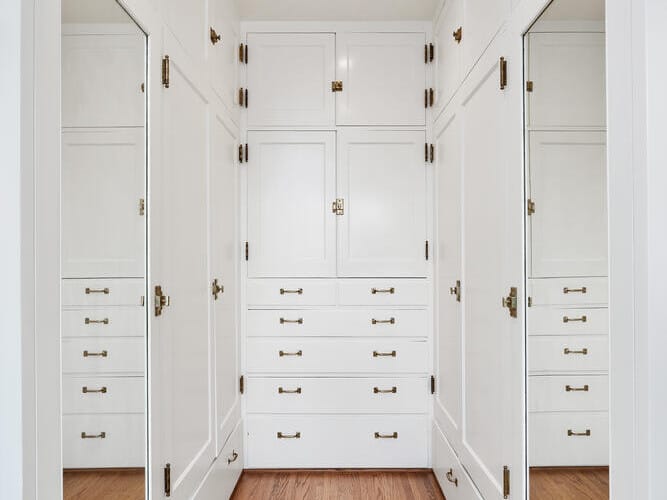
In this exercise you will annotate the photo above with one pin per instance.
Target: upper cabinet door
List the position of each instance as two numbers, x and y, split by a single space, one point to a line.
482 19
289 79
382 182
384 79
291 185
447 54
568 75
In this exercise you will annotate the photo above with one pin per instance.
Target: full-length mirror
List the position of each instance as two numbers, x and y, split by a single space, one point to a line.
567 254
103 240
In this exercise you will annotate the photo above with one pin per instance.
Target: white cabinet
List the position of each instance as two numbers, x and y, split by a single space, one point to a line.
448 54
289 79
291 185
383 76
224 59
382 181
482 21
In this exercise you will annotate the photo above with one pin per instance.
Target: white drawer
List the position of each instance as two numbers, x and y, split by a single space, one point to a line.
104 355
452 477
567 321
336 356
568 291
337 395
383 292
336 441
123 444
104 322
337 323
91 394
574 439
222 477
568 393
291 292
574 353
103 292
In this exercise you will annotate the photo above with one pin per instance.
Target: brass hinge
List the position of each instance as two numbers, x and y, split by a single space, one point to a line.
167 480
456 290
511 302
165 72
458 34
338 206
243 97
215 37
530 302
161 300
336 86
142 206
240 153
429 97
426 249
432 384
431 153
506 481
143 88
529 86
243 54
429 53
503 73
243 153
241 384
216 288
530 209
246 250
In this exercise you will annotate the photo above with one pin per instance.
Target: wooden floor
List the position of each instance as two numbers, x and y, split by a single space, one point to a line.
337 485
112 484
563 483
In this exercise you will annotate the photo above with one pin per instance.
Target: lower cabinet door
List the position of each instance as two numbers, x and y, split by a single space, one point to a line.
294 441
223 475
453 479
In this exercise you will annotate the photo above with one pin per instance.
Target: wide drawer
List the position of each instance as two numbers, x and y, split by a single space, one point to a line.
567 321
103 394
291 292
568 291
96 441
226 470
103 355
103 292
337 395
349 356
282 441
104 322
568 439
573 353
452 477
338 323
568 393
383 292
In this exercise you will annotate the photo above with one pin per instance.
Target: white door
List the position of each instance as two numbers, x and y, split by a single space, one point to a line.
291 185
103 178
482 21
223 58
568 184
382 182
447 54
289 79
384 78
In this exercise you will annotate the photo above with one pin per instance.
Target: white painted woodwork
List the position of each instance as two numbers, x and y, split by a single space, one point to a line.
452 477
550 393
568 321
121 394
382 179
547 354
103 172
383 292
101 81
569 291
568 75
289 79
290 292
226 470
568 185
448 55
104 322
102 292
123 355
383 78
187 23
482 19
291 185
224 59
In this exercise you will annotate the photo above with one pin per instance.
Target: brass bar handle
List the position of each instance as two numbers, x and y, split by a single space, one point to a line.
289 391
570 432
89 321
105 291
297 321
389 321
574 290
101 435
296 435
393 435
377 390
377 354
297 353
102 354
85 390
390 290
450 477
569 388
298 291
583 351
235 456
567 319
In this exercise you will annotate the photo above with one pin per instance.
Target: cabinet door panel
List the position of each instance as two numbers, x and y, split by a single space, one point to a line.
382 179
383 77
291 185
447 54
187 23
482 19
289 79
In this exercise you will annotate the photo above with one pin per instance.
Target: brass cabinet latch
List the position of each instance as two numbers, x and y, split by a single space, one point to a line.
530 207
215 37
511 302
456 290
458 34
216 289
338 206
336 86
161 300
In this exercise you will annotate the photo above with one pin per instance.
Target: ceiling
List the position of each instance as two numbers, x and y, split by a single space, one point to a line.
93 11
574 10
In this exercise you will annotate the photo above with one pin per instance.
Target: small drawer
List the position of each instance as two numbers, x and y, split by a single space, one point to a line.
103 355
103 394
104 322
337 323
103 292
574 353
348 356
337 395
568 291
315 441
567 321
384 292
568 439
99 441
452 477
226 470
568 393
290 292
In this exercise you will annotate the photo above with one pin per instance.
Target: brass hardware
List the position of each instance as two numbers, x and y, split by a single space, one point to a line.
530 207
298 353
101 354
426 152
243 98
243 54
390 290
529 86
458 34
583 319
234 457
336 86
432 384
431 153
503 73
456 290
142 206
167 480
240 153
89 321
425 53
161 300
105 291
377 354
377 390
296 435
393 435
215 38
216 289
142 301
570 432
241 384
289 391
389 321
431 97
506 481
298 291
426 249
511 302
431 52
246 146
575 290
297 321
142 87
583 351
101 435
450 477
426 98
338 206
569 388
85 390
246 250
165 72
530 302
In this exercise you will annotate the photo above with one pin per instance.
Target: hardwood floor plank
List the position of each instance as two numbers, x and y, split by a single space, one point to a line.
569 483
111 484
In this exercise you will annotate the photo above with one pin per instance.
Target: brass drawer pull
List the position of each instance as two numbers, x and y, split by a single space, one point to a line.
574 290
583 351
296 435
297 321
377 354
389 321
298 291
569 388
450 477
570 432
393 435
297 353
234 457
85 390
377 390
101 435
105 291
89 321
583 319
289 391
102 354
390 291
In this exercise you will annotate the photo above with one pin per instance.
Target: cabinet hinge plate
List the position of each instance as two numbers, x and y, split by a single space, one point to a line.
432 384
246 251
243 97
426 249
503 73
529 86
429 97
142 206
506 481
530 207
165 72
167 480
243 54
338 206
241 384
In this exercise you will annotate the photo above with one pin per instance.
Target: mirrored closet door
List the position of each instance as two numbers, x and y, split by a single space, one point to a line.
103 240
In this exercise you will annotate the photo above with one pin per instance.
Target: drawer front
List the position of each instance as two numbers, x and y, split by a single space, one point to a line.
291 292
568 291
567 321
568 393
336 356
568 439
104 322
103 394
226 470
123 444
103 292
112 355
340 323
452 477
383 292
336 441
574 353
337 395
